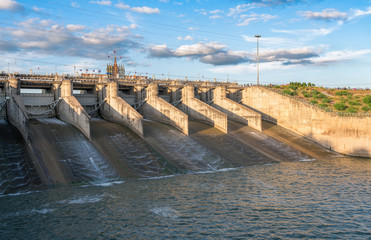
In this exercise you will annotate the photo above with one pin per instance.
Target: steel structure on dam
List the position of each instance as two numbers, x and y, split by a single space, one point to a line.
148 127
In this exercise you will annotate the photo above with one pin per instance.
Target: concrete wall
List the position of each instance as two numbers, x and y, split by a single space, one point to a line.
160 110
130 99
198 110
236 111
346 135
70 110
2 111
116 109
86 99
17 116
15 109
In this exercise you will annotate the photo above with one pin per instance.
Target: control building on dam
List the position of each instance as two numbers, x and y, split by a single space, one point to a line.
169 119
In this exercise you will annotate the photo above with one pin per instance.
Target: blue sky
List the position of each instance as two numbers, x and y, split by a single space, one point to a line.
324 42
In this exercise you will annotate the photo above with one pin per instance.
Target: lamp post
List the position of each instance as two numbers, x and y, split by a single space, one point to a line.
257 56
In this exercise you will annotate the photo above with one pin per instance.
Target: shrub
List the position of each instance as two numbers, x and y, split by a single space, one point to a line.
343 93
326 100
354 103
314 92
313 101
367 99
366 108
352 110
340 106
304 92
287 91
307 95
321 96
323 105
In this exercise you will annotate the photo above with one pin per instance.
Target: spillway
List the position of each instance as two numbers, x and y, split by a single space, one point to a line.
266 144
131 155
236 150
17 173
183 151
66 156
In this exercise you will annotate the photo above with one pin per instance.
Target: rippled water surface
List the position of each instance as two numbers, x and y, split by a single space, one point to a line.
293 200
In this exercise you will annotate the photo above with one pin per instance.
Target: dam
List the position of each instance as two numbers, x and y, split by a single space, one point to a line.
81 130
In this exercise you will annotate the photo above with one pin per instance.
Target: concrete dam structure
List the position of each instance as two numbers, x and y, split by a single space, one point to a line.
91 130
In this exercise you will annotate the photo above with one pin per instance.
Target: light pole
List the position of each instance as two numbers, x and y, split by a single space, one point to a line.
257 56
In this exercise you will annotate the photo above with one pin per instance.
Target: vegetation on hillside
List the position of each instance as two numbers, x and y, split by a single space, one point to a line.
338 100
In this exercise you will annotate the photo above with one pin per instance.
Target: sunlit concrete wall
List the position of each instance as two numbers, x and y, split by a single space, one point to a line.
116 109
158 109
346 135
70 110
198 110
236 111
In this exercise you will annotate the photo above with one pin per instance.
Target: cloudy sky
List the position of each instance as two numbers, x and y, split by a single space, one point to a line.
320 41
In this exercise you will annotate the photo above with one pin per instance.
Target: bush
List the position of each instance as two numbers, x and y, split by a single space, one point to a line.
323 105
366 108
354 103
367 99
304 92
307 95
340 106
321 96
313 101
314 92
343 93
352 110
287 91
326 100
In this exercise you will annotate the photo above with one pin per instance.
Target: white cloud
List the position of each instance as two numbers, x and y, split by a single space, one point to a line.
327 14
75 4
216 12
122 5
199 49
102 2
187 38
246 19
146 10
215 16
11 5
75 28
67 40
337 56
359 13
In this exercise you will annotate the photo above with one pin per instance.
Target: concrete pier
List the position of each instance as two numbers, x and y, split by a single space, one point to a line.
158 109
235 111
116 109
16 111
200 111
70 110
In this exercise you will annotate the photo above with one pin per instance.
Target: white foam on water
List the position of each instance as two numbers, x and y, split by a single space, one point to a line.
107 184
308 160
19 193
166 212
160 177
217 170
83 200
42 211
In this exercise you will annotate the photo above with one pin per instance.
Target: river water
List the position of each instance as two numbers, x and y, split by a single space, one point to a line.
323 199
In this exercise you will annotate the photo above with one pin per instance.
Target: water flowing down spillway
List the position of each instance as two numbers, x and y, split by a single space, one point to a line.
265 144
131 155
67 155
188 154
17 173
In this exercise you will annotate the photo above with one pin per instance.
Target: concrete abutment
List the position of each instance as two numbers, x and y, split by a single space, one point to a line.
116 109
158 109
198 110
